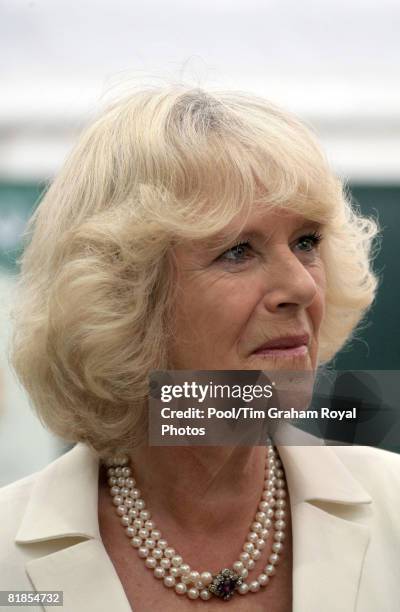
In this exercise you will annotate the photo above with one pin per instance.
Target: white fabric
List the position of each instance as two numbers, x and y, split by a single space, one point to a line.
345 503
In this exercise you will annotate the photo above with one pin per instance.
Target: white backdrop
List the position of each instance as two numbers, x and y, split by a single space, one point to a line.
335 62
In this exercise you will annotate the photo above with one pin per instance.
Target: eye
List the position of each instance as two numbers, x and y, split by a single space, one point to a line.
309 242
236 254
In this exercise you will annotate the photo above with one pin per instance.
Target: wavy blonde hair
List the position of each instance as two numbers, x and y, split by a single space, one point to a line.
159 167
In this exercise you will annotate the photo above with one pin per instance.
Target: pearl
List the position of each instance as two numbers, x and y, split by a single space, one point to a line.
155 534
243 589
126 472
117 500
174 571
205 594
159 572
169 581
130 483
244 557
237 567
124 492
136 542
115 491
118 471
250 564
244 573
132 512
145 515
157 553
277 547
263 579
206 578
162 544
130 531
269 513
150 543
256 554
137 523
151 562
260 544
121 481
143 552
263 505
193 593
270 569
274 558
140 504
260 517
121 510
185 578
169 552
180 588
165 563
254 586
279 536
194 576
176 560
129 503
248 547
281 493
125 521
185 568
135 493
280 514
280 503
143 533
150 525
264 532
280 525
256 526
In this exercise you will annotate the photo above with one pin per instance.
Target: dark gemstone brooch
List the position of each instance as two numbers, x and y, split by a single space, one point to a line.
225 584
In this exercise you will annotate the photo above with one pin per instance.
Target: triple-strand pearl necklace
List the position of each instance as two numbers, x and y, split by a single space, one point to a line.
167 565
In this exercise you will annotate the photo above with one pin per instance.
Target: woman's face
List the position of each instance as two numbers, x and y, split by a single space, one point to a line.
271 285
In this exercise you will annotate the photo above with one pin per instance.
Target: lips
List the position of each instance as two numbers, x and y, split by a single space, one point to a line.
284 342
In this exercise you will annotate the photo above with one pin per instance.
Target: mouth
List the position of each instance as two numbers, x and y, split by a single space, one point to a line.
287 346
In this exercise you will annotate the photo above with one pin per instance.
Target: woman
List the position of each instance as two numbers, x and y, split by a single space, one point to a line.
196 231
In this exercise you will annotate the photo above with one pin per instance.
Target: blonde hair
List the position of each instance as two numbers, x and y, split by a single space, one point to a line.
157 167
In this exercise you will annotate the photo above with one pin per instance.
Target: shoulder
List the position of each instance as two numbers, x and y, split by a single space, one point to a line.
14 499
376 469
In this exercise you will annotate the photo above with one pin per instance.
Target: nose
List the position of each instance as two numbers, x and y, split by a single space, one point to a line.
288 284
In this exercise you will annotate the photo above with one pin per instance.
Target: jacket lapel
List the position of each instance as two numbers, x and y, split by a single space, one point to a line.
85 574
61 537
329 509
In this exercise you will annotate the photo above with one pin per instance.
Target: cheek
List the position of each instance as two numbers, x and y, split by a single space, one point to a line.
317 308
216 307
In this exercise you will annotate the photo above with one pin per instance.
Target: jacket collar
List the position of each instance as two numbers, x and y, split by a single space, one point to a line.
63 502
328 548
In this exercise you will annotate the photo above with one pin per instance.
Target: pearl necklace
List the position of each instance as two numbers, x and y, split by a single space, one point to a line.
168 565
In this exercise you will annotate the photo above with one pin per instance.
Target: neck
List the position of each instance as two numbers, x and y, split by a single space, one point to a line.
197 487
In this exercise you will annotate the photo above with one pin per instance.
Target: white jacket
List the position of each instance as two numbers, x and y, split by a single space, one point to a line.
345 503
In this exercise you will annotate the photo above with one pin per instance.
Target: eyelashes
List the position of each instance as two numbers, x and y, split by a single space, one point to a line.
241 251
314 238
